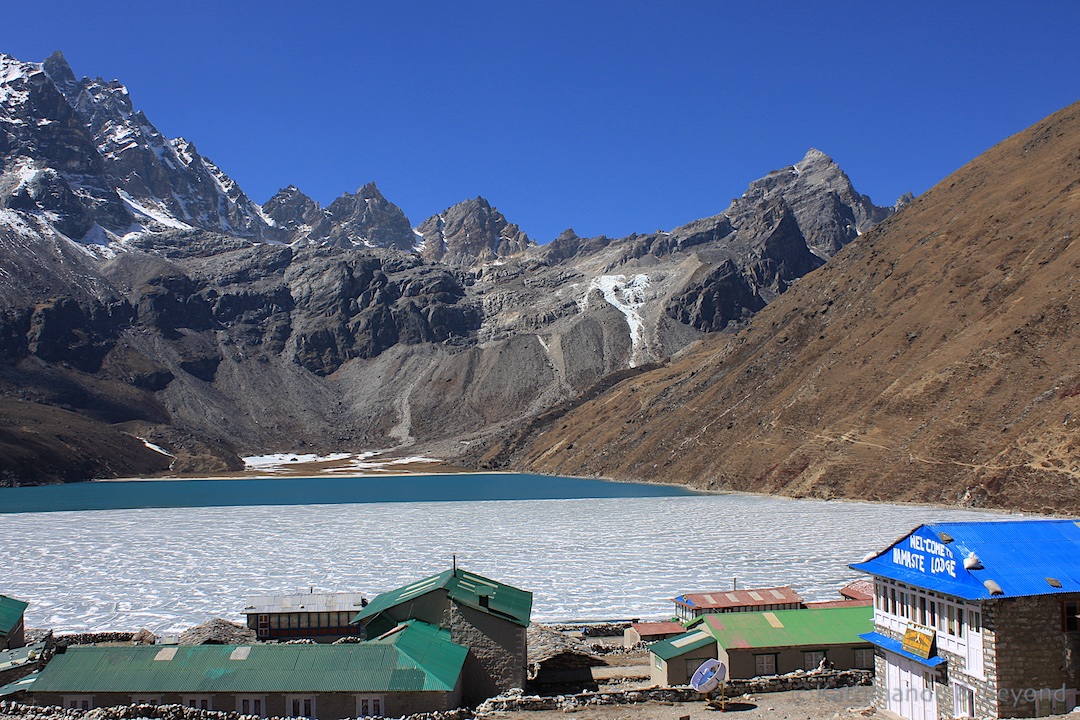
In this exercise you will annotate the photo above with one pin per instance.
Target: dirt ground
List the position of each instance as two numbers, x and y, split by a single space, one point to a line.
839 704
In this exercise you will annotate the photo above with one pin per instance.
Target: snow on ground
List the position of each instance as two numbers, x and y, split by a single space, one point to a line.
279 461
167 569
626 293
155 214
335 463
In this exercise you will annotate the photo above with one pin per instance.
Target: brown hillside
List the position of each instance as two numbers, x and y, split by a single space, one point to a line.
935 359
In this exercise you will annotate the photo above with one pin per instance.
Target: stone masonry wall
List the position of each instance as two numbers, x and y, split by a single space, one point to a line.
811 680
1031 653
498 658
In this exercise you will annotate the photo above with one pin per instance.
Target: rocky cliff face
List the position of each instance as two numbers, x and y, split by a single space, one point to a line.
144 294
934 360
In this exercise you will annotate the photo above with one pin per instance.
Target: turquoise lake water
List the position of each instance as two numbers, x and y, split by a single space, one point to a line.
462 487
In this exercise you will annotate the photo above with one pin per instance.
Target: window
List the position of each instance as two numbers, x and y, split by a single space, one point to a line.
812 659
864 658
963 701
251 705
765 664
145 699
79 702
1070 621
659 662
200 702
367 705
300 706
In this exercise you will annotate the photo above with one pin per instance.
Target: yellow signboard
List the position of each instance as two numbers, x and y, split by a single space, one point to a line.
919 640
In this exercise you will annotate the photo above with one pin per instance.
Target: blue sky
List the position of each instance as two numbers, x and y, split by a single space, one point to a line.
608 117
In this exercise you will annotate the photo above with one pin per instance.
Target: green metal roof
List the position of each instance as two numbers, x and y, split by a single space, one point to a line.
791 628
414 659
681 644
10 612
463 587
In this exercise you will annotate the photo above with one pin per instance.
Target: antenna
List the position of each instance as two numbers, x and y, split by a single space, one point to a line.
454 558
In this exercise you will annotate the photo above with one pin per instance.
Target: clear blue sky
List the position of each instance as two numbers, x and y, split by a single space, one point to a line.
608 117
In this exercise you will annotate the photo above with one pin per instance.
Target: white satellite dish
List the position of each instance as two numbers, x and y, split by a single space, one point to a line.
707 677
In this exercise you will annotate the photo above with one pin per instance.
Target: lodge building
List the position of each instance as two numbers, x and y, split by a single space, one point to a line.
977 620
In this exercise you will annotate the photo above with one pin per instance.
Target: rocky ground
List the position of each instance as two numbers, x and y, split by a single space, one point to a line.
838 704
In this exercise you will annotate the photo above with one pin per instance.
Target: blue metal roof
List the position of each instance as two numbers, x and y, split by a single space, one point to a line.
887 643
1019 557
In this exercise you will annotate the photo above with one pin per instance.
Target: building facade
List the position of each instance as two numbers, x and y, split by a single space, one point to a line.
488 617
978 620
323 617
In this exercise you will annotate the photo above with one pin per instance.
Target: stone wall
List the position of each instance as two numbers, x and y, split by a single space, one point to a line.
164 712
813 680
1031 653
498 655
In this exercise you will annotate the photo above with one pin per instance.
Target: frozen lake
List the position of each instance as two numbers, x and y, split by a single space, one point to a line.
169 568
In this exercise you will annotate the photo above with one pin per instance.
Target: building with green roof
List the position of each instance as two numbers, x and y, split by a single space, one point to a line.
488 617
12 626
415 668
767 643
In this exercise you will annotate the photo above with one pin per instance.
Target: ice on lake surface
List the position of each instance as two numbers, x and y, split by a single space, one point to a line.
170 568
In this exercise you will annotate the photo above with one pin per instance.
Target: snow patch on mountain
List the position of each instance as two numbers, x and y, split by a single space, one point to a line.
627 294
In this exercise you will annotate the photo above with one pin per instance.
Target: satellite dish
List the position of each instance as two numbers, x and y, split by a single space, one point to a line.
707 677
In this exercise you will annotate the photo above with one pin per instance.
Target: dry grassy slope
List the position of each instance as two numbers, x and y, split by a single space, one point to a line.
935 359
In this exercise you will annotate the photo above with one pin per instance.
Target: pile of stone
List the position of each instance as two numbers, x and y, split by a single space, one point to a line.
94 638
218 632
348 640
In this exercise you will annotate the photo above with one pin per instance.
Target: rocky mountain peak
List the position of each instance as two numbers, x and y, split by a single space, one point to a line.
469 232
366 218
828 209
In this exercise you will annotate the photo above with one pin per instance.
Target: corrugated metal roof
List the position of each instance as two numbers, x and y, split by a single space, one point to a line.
657 628
10 612
783 595
673 647
417 659
24 684
305 602
20 656
790 628
887 643
1022 557
463 587
859 590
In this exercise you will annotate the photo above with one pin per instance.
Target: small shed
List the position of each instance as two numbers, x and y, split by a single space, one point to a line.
693 605
558 663
650 632
12 624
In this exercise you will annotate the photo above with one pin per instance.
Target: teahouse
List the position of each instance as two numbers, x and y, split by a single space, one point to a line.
767 643
488 617
694 605
978 619
324 617
415 668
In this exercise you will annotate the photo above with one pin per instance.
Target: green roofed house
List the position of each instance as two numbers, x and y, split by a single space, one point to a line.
767 643
414 668
488 617
12 627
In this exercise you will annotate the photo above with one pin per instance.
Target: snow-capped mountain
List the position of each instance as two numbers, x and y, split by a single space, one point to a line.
142 291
